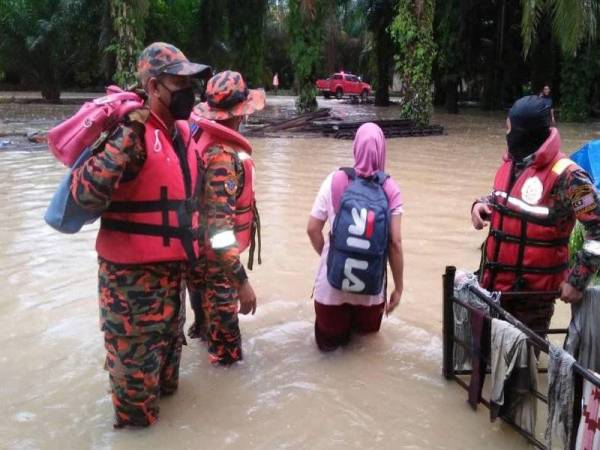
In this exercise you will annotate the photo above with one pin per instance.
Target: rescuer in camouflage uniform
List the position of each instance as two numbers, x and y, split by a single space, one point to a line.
573 196
141 312
221 280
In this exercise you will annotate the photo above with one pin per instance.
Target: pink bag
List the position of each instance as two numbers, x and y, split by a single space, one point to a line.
70 138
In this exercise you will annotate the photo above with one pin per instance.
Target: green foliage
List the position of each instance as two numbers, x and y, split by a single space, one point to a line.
574 22
575 89
412 31
48 41
277 40
305 24
576 244
128 18
247 23
173 21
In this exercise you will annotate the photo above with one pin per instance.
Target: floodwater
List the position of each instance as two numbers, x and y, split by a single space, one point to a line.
383 391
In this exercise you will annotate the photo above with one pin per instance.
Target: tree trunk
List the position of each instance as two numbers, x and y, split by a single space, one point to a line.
412 31
385 59
305 22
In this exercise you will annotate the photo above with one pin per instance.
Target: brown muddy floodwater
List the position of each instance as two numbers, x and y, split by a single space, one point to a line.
381 392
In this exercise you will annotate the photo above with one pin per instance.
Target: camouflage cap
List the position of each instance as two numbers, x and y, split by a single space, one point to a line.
159 58
227 96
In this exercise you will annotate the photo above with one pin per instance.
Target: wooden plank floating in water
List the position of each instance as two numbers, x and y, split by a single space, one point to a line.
321 122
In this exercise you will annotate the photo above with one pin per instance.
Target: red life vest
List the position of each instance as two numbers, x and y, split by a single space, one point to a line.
527 247
155 217
247 220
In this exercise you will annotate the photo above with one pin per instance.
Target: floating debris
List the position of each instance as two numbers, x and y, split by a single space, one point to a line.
323 123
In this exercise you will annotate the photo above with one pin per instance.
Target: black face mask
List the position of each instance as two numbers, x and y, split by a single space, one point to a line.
522 143
182 102
530 126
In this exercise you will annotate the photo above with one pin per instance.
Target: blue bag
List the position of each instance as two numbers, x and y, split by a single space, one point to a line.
63 214
359 238
588 158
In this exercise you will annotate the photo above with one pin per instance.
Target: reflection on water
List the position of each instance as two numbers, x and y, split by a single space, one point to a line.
383 391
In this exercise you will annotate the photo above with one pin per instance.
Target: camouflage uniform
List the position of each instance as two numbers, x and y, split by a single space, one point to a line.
217 278
573 194
216 282
141 307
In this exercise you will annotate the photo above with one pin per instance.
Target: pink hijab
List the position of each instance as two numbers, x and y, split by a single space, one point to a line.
369 157
369 150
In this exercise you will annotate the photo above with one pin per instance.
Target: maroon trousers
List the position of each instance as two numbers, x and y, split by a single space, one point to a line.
335 323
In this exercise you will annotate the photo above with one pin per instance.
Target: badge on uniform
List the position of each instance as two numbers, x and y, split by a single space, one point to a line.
532 190
231 187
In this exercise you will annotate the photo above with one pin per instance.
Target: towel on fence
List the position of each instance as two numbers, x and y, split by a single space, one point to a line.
462 317
588 434
583 340
560 398
480 353
514 367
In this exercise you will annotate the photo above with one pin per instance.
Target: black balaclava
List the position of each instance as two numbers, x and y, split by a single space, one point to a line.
529 126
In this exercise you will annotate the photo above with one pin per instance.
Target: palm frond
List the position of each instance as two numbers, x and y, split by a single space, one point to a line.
533 11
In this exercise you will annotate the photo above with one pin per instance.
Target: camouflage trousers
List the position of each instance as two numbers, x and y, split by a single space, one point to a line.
215 304
142 316
141 370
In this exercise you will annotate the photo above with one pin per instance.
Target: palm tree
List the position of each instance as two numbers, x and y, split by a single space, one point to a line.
573 22
46 41
305 22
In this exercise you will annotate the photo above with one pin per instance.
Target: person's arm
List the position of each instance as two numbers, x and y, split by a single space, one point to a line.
481 211
585 203
396 258
318 215
314 230
123 155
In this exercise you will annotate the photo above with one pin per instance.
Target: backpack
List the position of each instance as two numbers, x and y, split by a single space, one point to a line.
92 122
358 243
63 214
72 142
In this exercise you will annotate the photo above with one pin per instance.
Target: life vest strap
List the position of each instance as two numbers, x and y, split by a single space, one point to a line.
502 236
551 270
186 235
255 236
151 206
505 211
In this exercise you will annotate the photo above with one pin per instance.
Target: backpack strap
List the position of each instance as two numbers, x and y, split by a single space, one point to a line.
340 181
380 177
349 171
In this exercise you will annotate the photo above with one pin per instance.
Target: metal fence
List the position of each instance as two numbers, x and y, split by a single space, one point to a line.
542 345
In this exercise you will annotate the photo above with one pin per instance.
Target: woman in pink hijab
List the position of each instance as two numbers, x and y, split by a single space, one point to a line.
339 313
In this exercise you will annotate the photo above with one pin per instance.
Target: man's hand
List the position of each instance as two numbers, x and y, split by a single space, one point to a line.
480 215
394 301
569 294
247 298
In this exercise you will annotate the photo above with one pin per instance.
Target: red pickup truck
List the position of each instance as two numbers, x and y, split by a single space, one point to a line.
340 84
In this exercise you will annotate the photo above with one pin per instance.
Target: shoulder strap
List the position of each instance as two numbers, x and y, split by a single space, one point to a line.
349 171
339 183
380 177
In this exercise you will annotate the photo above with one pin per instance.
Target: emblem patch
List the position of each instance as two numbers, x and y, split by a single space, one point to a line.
532 190
231 187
